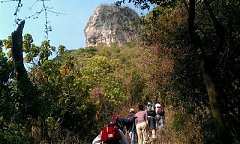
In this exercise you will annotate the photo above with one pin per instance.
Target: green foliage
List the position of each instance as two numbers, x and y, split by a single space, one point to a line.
178 122
99 71
11 133
64 99
146 4
45 51
34 54
29 48
137 85
80 89
12 127
61 50
5 66
206 35
7 43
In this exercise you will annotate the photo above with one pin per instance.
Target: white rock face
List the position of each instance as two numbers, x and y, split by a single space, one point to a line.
111 24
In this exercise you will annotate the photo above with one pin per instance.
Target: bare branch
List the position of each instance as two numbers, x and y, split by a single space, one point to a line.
47 27
4 1
33 4
18 7
35 15
55 12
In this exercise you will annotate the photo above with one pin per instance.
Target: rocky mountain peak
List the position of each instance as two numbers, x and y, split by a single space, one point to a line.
111 24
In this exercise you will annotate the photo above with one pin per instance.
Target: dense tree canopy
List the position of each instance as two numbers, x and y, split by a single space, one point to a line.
186 56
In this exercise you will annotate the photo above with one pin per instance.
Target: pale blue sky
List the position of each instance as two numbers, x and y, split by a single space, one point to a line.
68 28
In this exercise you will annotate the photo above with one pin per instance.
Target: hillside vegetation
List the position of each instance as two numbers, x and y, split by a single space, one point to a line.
69 98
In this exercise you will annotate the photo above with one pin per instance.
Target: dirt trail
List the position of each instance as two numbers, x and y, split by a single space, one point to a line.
162 137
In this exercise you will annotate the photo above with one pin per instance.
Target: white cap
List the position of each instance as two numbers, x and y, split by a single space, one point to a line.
132 110
158 105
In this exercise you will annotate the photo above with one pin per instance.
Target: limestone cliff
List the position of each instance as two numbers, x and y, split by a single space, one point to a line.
111 24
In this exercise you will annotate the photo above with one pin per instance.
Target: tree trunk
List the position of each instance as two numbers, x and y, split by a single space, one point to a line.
208 64
24 84
219 28
29 92
17 52
213 95
191 19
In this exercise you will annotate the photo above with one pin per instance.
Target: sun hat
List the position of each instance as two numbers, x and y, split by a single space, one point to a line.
131 110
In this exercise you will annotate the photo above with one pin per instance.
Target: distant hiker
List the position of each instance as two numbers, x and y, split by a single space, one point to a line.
131 127
141 124
111 134
151 118
160 115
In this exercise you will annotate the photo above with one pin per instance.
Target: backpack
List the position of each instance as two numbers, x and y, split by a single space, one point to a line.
110 133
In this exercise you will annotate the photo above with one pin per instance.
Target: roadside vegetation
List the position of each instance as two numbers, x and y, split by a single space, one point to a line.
67 99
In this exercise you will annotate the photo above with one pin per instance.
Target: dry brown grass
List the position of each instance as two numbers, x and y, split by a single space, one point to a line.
190 134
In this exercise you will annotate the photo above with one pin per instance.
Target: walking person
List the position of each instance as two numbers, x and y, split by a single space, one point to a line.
131 127
111 134
151 114
160 115
141 124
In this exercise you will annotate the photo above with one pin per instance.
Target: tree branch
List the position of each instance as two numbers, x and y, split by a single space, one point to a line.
220 30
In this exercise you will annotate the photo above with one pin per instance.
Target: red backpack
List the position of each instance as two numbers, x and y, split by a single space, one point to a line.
110 133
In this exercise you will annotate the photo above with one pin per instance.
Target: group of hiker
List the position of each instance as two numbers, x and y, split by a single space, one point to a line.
137 128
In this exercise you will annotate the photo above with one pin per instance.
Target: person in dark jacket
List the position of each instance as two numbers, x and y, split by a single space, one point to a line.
131 127
151 114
